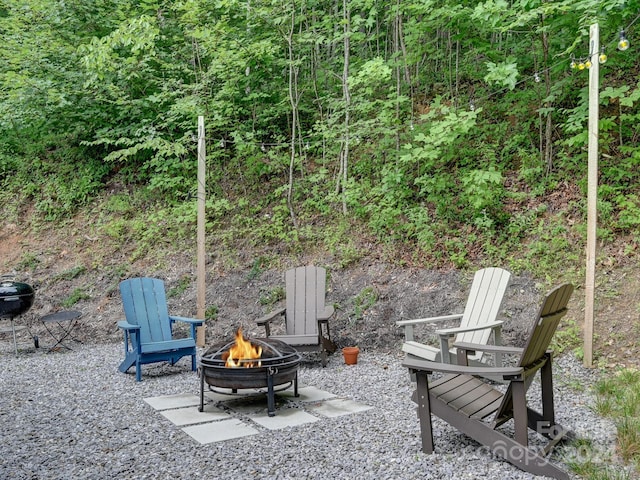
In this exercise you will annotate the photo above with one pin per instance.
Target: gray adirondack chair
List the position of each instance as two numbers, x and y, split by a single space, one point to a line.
477 323
148 335
305 314
462 398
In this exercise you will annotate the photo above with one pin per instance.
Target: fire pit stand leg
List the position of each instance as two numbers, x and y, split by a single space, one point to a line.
271 401
201 407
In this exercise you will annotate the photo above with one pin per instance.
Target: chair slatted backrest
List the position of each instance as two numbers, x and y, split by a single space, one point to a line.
145 304
305 296
551 312
546 322
483 304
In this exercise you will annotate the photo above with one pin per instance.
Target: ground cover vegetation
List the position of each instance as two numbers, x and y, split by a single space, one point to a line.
438 133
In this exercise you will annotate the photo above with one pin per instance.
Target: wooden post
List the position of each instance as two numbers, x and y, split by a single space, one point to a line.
592 193
201 271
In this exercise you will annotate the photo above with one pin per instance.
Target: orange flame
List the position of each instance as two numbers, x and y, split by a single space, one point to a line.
242 352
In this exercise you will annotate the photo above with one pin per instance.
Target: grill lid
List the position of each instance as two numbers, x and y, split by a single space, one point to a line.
16 298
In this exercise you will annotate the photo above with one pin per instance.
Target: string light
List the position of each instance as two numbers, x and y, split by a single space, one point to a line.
472 105
536 77
587 63
623 43
602 57
573 63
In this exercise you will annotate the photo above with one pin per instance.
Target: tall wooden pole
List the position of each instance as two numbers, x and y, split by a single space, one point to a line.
201 271
592 192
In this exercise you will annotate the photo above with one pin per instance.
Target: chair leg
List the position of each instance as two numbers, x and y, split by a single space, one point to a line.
424 412
546 383
520 412
138 371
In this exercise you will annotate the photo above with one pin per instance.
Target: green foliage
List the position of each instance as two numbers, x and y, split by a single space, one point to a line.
28 261
273 296
482 191
504 74
110 99
366 299
76 295
183 284
568 338
211 313
71 274
259 265
619 397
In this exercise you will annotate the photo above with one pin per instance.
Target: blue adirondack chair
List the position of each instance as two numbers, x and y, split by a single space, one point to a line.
148 336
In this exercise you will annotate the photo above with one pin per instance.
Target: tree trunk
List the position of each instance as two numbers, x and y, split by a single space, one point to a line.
344 154
293 98
548 131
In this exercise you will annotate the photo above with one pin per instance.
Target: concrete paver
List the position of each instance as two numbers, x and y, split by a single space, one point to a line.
219 431
191 415
227 417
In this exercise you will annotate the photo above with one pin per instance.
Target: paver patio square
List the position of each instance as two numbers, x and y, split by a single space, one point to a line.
253 404
306 394
223 397
339 407
167 402
191 415
286 417
219 431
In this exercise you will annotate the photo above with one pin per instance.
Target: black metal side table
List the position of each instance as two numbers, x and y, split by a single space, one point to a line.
60 325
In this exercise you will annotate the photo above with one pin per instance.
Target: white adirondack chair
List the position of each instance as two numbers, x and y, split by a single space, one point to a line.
477 324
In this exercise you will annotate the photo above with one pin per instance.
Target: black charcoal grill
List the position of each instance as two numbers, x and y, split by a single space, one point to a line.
277 367
16 298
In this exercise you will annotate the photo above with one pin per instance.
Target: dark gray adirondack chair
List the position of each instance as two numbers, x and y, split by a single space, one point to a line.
477 323
148 336
477 409
306 316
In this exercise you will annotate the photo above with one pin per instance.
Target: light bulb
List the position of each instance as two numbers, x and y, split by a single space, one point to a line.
623 43
602 57
536 77
573 63
472 106
581 65
587 64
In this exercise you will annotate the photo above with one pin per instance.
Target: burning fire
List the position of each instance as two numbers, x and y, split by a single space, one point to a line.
242 353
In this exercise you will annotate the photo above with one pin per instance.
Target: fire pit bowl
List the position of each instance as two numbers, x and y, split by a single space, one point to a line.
16 298
277 365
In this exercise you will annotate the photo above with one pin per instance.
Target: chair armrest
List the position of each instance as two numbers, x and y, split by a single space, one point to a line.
193 321
416 365
452 331
123 324
417 321
270 316
488 348
328 311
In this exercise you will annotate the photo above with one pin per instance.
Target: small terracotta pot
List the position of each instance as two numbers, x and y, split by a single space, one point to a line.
350 355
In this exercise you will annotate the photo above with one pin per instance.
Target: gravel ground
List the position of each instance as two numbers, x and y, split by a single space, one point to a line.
73 415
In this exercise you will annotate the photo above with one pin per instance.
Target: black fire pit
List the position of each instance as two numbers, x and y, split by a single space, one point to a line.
277 366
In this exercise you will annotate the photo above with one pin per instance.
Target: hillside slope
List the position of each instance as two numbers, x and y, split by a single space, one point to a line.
369 295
